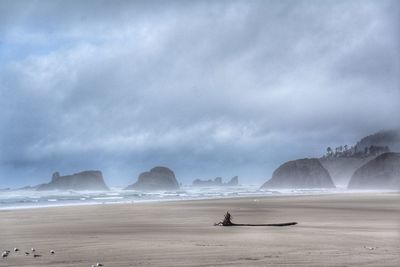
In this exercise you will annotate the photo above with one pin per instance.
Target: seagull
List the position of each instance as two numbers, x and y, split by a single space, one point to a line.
99 264
16 249
26 253
5 254
32 249
36 255
52 252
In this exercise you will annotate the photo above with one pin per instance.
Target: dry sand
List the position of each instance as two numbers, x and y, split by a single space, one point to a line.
333 230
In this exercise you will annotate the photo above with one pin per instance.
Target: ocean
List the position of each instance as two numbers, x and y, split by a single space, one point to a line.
22 199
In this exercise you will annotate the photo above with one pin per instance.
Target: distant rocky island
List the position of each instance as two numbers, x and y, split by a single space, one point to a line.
383 172
371 163
342 161
216 182
301 173
85 180
158 178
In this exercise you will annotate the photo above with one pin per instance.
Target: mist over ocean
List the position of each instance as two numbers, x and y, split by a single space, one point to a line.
17 199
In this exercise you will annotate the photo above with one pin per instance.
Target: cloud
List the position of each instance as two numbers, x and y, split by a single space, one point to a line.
207 88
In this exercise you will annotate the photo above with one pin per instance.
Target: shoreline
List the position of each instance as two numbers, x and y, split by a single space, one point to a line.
255 195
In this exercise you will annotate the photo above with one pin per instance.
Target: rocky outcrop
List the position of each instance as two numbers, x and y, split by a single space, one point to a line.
233 182
158 178
301 173
216 182
86 180
205 183
342 161
383 172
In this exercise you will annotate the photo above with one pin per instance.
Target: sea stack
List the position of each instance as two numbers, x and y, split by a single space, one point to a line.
216 182
383 172
301 173
86 180
233 182
158 178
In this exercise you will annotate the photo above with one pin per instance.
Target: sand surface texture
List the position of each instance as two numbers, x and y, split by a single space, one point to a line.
333 230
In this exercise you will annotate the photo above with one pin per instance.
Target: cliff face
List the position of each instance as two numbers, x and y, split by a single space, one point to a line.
383 172
158 178
301 173
86 180
216 182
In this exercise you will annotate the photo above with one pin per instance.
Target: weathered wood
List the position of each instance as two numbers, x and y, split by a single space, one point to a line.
228 222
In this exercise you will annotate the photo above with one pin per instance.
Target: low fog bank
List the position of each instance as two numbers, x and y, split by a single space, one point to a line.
371 156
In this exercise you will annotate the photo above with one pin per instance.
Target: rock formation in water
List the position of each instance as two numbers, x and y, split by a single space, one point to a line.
216 182
341 162
233 182
301 173
86 180
383 172
158 178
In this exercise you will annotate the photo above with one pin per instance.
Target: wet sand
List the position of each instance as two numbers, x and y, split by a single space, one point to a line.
333 230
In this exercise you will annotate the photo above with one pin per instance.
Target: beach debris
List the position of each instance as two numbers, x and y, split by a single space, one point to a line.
52 252
227 221
36 255
16 249
370 248
99 264
27 253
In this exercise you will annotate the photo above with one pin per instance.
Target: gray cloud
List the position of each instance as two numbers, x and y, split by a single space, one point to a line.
208 88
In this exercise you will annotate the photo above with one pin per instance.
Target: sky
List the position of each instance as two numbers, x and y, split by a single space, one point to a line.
207 88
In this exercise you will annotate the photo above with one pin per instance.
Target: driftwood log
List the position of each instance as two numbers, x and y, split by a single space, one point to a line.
227 222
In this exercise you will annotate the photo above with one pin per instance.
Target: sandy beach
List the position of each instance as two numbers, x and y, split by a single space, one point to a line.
333 230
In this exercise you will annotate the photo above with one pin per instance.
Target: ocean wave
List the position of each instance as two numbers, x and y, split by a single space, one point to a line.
34 199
